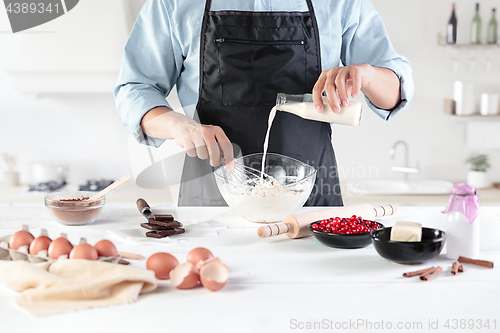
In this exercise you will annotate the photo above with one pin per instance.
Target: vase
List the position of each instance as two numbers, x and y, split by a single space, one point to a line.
478 179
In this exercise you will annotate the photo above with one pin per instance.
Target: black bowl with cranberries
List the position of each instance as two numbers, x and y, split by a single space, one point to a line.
344 233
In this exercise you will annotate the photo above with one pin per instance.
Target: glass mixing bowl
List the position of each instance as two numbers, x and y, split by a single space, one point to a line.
243 192
73 212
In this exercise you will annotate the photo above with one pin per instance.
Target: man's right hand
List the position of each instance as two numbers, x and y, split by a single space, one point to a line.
204 141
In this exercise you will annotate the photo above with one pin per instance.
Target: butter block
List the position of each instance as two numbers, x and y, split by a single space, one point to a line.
403 231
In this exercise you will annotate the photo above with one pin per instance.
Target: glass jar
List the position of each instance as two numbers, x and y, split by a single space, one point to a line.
462 222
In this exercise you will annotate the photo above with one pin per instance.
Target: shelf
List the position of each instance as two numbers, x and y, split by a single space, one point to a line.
441 41
475 117
465 46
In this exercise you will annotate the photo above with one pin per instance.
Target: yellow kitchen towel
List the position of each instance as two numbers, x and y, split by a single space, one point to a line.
69 285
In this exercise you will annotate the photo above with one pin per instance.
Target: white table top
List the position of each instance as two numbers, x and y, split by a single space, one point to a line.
277 284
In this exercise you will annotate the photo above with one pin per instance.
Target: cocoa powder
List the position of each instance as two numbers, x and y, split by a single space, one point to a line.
75 210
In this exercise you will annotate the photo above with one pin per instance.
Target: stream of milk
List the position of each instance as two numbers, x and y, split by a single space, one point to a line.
270 120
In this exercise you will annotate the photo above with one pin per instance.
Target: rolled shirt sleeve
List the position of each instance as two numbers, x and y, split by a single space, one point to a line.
365 40
151 63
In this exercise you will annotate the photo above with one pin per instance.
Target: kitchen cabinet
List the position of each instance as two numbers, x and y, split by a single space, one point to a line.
79 52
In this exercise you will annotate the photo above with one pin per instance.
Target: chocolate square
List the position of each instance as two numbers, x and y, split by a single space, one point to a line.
154 234
165 233
170 232
170 224
150 226
163 217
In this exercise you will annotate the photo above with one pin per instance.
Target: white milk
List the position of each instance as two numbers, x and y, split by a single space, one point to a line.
462 238
348 115
270 120
303 106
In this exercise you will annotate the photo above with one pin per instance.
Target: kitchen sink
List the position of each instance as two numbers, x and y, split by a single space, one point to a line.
411 187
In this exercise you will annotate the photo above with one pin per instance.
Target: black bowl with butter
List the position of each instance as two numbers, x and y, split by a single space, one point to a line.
408 252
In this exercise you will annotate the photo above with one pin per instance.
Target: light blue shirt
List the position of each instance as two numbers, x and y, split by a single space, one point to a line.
163 50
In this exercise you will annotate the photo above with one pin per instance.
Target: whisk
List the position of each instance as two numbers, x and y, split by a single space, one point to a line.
246 175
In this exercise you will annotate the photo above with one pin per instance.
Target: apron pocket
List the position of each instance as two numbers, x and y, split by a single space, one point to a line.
254 70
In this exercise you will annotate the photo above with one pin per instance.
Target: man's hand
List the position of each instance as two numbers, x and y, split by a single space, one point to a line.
204 141
380 85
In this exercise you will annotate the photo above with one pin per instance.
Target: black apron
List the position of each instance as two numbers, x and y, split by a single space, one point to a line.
246 59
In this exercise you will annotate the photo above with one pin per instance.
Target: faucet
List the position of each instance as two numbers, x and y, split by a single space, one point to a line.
404 169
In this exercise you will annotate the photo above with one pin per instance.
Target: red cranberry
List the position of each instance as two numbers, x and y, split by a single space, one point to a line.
345 226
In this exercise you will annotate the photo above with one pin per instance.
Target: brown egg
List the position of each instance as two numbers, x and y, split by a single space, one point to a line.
59 246
198 255
20 238
106 249
161 263
184 276
39 244
214 275
83 251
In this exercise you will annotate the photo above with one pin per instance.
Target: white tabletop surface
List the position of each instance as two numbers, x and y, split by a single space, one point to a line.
277 284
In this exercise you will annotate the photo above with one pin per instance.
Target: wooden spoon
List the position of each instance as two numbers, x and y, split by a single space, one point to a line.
111 187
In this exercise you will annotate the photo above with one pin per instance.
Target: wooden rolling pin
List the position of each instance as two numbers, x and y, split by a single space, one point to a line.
295 226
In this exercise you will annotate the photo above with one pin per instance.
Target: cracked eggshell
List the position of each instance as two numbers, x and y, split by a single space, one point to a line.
20 238
214 274
59 246
216 259
199 255
161 263
39 244
105 248
184 276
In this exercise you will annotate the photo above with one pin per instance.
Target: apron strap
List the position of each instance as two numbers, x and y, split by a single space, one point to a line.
316 32
208 4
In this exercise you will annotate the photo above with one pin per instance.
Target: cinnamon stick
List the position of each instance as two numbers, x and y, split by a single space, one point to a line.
454 267
430 275
420 272
482 263
461 268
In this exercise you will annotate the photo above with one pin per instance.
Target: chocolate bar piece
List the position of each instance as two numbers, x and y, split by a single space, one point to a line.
154 234
163 217
171 224
170 232
150 226
165 233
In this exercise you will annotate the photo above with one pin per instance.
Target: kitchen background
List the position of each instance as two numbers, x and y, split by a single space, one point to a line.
56 100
